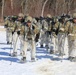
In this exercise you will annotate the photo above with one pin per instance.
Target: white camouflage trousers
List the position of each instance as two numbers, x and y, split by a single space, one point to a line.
17 37
72 47
8 36
28 43
42 37
54 43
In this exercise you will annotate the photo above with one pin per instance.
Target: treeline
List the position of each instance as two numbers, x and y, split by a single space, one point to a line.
38 7
54 7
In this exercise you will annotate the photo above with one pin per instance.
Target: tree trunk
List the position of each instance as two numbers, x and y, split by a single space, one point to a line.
12 6
42 13
2 9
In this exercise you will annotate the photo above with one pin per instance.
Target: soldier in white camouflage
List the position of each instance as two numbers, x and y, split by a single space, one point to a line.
70 29
18 34
60 31
30 31
54 37
42 34
48 30
9 25
45 32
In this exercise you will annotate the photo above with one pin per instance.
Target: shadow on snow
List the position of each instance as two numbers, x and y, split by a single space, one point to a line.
8 58
43 53
6 48
11 59
4 53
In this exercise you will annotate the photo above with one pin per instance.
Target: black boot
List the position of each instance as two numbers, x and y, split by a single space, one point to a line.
21 53
10 42
72 59
69 58
14 54
47 47
7 42
23 60
33 59
28 49
51 51
41 46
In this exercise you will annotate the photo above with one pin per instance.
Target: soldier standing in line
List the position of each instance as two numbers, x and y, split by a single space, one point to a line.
70 29
61 35
36 22
45 26
18 33
29 37
42 33
6 26
9 24
54 37
48 30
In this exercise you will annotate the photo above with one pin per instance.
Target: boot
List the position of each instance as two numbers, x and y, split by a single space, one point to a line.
14 54
33 59
7 42
41 46
28 49
74 59
51 51
21 53
46 47
10 42
69 58
23 60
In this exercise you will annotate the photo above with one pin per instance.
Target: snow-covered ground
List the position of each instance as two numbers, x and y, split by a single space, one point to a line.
46 64
1 26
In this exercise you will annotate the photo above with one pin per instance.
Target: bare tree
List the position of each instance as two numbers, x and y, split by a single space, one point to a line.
56 7
43 7
37 7
2 9
64 6
12 6
69 6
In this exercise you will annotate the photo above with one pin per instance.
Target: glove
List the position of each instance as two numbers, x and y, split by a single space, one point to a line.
33 27
5 25
54 30
12 32
18 32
